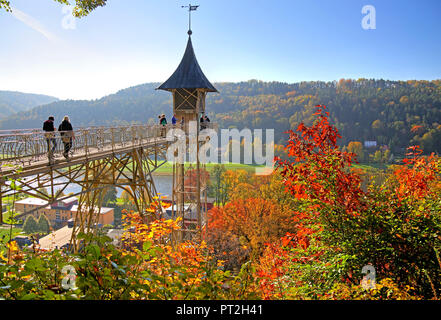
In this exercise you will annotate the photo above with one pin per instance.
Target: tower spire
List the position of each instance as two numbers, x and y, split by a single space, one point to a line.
190 9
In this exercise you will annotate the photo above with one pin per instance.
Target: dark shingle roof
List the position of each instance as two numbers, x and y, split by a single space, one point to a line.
188 75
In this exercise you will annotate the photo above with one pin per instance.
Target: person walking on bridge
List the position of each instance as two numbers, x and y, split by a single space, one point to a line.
66 132
163 123
202 120
206 121
49 129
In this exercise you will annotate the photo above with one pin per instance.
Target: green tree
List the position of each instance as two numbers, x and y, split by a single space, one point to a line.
43 224
386 156
59 194
30 225
110 197
378 156
216 173
128 202
43 191
82 7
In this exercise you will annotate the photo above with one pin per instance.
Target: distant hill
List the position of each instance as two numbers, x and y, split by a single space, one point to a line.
12 102
135 104
393 113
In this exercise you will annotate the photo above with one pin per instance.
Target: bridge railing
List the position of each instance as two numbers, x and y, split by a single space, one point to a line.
27 146
30 145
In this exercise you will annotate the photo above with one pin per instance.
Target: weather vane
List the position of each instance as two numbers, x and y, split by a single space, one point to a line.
190 9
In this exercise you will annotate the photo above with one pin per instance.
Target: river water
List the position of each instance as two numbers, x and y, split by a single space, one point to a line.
163 185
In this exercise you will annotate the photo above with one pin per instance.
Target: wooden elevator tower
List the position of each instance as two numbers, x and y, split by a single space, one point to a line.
189 88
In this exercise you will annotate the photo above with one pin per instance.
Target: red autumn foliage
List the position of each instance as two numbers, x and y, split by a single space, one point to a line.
385 226
320 177
320 169
414 178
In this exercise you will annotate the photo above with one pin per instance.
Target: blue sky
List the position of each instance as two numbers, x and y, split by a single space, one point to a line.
130 42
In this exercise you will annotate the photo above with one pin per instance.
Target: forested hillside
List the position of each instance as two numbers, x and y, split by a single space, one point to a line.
136 104
393 113
12 102
384 111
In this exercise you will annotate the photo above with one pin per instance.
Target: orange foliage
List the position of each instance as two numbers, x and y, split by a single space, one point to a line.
249 224
141 236
416 128
414 179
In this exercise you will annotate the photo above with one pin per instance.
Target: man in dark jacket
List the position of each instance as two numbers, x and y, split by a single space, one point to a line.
66 132
163 120
163 123
204 122
49 129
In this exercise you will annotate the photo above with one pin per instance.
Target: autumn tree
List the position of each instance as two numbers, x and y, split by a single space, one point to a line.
378 156
404 100
232 178
43 191
243 226
318 176
356 147
387 156
147 267
226 182
127 198
340 228
377 125
280 152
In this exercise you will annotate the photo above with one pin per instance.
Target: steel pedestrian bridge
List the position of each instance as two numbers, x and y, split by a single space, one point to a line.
123 156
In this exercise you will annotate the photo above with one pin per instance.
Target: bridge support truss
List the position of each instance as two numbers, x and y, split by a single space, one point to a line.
127 164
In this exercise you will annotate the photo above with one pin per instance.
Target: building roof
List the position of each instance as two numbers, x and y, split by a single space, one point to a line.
69 200
56 239
103 209
65 204
32 201
175 208
189 74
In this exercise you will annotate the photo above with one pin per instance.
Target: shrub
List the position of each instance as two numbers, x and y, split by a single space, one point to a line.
43 224
30 225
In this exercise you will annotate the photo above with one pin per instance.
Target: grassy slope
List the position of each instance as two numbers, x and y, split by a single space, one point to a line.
167 168
4 234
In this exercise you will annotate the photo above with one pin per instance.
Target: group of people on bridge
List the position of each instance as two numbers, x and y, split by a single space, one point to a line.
66 132
204 121
163 120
